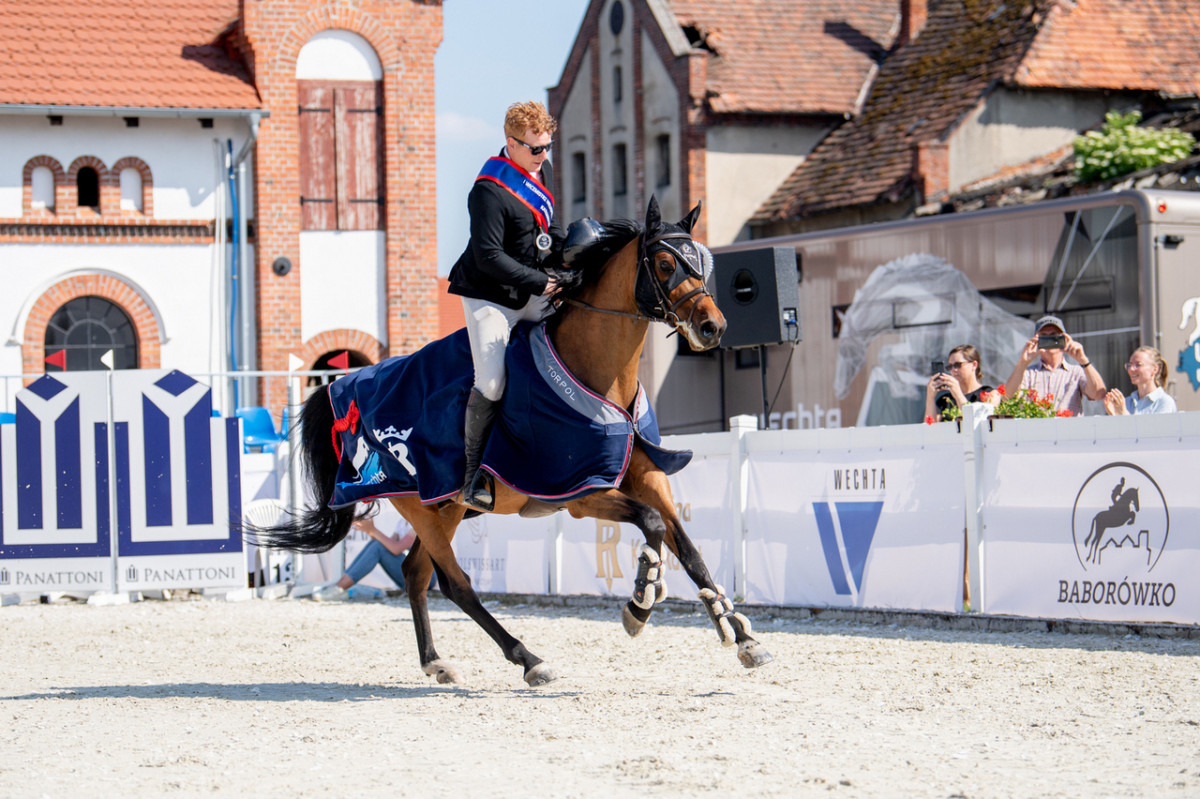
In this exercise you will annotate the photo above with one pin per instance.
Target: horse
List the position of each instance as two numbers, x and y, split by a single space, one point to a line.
1123 511
599 332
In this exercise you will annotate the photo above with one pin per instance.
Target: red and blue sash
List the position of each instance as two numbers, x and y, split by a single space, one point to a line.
528 190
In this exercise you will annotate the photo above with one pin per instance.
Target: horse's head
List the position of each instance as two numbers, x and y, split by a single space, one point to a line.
672 269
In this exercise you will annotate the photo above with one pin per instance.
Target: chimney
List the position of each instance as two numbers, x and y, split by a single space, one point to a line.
931 171
913 14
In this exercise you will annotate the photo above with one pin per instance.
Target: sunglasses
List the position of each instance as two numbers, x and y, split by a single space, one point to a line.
538 150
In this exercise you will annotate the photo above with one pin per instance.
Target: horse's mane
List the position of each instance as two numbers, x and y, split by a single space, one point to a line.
585 270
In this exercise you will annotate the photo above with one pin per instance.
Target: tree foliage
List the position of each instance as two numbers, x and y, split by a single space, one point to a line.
1121 147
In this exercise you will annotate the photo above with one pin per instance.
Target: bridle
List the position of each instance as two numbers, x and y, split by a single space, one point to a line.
652 300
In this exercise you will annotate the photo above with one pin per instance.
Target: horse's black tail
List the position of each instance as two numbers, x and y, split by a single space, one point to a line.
315 529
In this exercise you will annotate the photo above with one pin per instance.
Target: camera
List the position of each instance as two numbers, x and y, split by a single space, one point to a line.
1054 341
938 368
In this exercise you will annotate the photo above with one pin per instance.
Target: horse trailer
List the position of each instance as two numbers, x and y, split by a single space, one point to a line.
879 302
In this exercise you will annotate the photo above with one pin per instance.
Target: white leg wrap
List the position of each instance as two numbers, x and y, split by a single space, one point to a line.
719 610
648 585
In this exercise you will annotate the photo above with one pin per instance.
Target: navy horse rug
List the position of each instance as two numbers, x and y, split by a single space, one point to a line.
399 426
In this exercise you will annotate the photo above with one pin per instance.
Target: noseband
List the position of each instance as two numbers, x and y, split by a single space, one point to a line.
653 301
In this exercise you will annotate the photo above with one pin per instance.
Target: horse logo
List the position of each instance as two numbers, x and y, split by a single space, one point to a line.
1129 529
1189 357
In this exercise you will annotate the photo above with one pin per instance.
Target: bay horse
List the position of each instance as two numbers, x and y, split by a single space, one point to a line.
655 274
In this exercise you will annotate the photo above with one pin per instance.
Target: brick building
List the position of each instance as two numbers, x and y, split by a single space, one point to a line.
156 148
709 101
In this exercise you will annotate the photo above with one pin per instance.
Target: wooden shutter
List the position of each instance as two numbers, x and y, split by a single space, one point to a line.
318 184
358 118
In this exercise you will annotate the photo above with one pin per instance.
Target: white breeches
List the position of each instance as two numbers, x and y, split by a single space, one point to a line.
488 327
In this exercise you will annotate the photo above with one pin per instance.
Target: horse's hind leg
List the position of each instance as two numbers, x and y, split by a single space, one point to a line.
647 483
418 568
435 530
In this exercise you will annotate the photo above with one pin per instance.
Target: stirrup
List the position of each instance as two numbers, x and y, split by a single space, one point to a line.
480 493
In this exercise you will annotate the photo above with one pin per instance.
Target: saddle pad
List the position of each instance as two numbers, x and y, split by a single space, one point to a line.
400 426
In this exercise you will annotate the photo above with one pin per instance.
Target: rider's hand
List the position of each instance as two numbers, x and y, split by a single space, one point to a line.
551 285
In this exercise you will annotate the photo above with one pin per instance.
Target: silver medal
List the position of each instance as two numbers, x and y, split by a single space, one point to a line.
543 242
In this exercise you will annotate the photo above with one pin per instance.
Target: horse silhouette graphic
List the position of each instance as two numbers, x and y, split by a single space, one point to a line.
1122 512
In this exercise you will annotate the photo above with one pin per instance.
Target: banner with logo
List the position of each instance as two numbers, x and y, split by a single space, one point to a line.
878 527
55 533
178 484
505 554
599 557
1104 530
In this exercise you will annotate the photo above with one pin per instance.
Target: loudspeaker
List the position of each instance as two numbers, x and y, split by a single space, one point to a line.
759 293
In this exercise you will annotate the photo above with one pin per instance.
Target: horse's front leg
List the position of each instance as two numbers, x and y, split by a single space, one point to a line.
648 484
648 584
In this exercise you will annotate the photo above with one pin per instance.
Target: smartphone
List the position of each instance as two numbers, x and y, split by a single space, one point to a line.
939 367
1054 341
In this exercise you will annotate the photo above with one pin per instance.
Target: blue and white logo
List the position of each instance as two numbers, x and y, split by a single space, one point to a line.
54 468
846 530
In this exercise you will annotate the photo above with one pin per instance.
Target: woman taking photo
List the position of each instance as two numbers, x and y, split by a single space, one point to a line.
958 385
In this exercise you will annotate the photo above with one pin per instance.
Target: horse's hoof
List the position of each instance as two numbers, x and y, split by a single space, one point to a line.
541 674
752 654
445 672
632 624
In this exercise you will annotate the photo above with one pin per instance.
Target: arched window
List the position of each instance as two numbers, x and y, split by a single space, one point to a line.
354 360
42 184
87 185
87 328
131 189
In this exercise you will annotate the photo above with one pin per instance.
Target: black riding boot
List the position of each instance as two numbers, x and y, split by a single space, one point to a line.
478 488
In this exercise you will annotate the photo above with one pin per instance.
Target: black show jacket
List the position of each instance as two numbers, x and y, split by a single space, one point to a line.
500 263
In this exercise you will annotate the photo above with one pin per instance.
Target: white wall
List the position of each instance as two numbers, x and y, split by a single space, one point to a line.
179 152
346 287
744 166
576 116
176 280
1011 127
660 115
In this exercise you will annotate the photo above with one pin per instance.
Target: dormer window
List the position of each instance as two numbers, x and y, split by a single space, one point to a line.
87 185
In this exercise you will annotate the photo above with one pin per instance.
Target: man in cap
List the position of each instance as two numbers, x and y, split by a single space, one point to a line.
1044 370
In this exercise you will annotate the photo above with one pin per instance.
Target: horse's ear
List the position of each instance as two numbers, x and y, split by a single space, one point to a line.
689 221
653 215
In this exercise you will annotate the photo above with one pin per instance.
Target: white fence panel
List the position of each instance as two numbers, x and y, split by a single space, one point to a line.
1095 518
868 518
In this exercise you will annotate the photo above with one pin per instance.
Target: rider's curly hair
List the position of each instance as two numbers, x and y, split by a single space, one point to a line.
528 115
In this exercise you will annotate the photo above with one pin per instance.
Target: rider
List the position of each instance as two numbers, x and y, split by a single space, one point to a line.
501 275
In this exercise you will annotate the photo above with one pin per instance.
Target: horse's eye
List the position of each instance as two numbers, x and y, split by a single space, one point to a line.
666 265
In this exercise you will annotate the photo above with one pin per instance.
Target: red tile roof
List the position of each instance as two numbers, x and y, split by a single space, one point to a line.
924 89
773 57
121 53
1117 44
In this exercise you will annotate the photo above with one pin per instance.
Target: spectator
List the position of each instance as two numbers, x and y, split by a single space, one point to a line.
958 385
1148 373
1044 370
386 551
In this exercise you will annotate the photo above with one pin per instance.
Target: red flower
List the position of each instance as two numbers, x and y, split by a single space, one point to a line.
929 420
1032 394
1002 391
1049 398
1064 413
985 396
